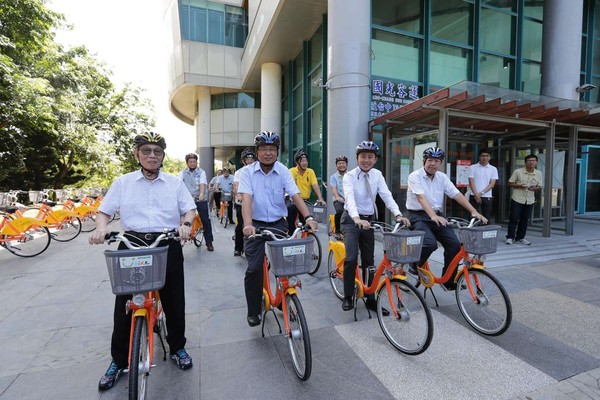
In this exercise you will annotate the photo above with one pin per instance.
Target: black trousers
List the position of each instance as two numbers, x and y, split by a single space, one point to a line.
518 218
291 218
239 234
485 208
202 207
355 239
339 210
255 254
433 234
172 296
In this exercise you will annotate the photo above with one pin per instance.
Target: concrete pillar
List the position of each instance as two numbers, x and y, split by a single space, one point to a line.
561 48
348 78
270 97
205 151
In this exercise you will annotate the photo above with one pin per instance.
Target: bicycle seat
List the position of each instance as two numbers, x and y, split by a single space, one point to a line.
8 210
49 203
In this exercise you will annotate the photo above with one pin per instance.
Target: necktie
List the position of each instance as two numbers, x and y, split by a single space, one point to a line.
368 187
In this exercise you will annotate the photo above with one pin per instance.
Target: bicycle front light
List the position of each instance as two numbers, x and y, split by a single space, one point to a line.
293 280
138 299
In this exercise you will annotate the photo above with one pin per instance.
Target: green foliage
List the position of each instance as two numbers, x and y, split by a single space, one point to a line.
62 120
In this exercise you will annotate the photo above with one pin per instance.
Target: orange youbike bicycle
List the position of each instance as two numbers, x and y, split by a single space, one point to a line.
64 225
22 236
481 298
403 314
141 272
285 259
225 200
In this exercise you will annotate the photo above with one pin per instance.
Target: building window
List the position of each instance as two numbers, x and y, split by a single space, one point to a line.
210 22
396 56
531 76
404 15
449 65
496 71
532 40
497 31
452 20
234 100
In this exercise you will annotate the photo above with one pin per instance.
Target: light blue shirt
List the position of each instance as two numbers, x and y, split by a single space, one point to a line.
267 190
226 184
337 181
193 179
148 206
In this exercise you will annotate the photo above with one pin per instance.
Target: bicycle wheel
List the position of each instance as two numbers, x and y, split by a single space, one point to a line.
335 277
69 229
409 325
491 312
198 237
139 364
317 253
225 217
88 222
28 244
298 339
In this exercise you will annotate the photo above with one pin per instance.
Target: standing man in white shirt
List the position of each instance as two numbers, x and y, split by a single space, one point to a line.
482 178
425 201
194 178
361 185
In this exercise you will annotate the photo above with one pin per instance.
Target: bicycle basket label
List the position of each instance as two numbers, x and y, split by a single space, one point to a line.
135 261
413 240
294 250
489 234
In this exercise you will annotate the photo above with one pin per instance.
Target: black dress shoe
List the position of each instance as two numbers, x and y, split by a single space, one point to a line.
237 253
450 286
412 269
253 320
372 305
347 304
209 247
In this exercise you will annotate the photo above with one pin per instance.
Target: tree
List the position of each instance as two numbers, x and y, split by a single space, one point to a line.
62 120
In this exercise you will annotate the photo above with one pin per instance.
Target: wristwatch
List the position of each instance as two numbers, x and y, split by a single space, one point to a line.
309 218
188 224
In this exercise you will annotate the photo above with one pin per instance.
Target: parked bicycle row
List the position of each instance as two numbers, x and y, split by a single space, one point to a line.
27 230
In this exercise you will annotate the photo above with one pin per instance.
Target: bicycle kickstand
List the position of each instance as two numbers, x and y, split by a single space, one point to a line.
265 318
432 293
162 342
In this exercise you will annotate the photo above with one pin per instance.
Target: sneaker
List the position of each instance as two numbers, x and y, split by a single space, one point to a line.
523 241
182 359
509 241
111 376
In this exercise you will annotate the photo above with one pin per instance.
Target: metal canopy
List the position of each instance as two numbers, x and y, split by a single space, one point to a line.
473 111
478 111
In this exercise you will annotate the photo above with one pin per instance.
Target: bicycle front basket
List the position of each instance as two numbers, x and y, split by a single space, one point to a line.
290 257
137 271
480 239
225 196
318 212
403 246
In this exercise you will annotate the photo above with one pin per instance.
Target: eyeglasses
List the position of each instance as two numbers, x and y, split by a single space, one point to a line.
157 152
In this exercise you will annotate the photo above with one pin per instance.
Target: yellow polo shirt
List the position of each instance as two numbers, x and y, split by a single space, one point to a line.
305 181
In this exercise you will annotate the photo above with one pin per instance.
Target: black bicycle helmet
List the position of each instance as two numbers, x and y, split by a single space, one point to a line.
367 146
433 152
247 152
191 155
150 138
299 154
266 137
341 158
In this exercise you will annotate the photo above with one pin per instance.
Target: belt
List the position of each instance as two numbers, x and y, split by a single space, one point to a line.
148 237
366 217
279 221
438 212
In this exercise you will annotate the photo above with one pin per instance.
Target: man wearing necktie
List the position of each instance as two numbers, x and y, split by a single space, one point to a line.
361 185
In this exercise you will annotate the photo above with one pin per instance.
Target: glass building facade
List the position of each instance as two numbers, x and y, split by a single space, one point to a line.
210 22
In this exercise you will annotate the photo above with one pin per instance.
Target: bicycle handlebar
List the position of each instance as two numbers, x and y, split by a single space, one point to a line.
456 222
266 232
114 236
